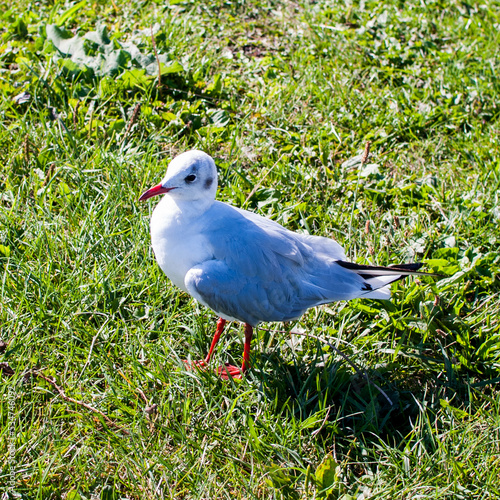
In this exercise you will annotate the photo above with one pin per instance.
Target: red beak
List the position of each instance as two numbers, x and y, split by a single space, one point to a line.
154 191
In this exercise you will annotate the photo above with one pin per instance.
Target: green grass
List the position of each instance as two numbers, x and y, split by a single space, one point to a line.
281 95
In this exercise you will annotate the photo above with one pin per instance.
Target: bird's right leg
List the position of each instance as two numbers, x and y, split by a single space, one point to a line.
233 371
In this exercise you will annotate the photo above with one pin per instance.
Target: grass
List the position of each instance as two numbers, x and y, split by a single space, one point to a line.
95 399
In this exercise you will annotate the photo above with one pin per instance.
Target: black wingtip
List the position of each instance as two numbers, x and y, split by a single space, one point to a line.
371 271
414 266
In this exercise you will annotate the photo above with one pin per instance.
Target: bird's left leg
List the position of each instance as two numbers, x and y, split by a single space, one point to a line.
218 332
232 371
220 328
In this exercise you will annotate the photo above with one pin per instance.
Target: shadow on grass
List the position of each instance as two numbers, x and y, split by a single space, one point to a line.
366 405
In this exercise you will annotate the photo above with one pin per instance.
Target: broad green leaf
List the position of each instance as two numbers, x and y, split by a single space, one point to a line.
116 126
170 67
74 495
135 78
70 13
326 476
216 86
169 116
456 411
219 117
5 250
63 40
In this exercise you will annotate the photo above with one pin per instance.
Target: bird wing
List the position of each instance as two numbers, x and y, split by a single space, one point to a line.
261 271
255 270
236 297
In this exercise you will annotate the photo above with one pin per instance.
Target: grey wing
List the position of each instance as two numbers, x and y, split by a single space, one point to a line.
236 296
257 246
321 246
255 271
260 271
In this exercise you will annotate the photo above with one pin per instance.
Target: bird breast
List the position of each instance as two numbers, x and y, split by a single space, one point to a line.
178 244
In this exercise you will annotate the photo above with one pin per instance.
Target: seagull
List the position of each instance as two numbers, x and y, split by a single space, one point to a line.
246 267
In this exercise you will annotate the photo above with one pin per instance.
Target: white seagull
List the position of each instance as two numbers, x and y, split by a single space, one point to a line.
246 267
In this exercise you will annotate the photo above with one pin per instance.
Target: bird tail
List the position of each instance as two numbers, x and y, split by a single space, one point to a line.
378 278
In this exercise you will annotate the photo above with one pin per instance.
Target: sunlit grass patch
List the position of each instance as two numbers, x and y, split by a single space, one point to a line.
96 400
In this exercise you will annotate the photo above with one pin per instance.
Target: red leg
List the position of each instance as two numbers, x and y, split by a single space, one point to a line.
246 350
232 371
220 328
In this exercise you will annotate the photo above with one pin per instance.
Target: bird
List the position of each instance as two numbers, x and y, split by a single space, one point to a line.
246 267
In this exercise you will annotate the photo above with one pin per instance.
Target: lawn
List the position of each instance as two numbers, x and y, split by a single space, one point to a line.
360 400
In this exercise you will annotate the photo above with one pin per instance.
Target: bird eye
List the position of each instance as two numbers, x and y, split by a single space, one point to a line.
190 178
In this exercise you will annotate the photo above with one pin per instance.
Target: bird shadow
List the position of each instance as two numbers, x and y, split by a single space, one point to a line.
363 403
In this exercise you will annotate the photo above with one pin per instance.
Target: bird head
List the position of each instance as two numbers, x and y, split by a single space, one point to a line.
190 176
